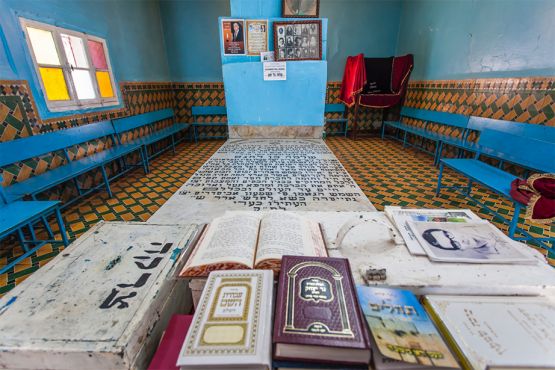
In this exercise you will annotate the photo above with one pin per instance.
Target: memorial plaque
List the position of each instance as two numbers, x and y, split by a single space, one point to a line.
265 174
102 303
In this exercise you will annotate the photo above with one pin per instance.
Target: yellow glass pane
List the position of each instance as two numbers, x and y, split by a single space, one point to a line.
54 83
104 84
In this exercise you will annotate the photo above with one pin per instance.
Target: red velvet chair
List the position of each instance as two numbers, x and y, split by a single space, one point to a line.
380 98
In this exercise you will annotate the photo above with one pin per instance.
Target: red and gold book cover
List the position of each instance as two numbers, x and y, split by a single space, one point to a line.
317 304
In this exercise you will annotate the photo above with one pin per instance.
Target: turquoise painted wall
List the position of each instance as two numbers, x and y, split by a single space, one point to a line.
132 29
355 26
359 26
192 38
460 39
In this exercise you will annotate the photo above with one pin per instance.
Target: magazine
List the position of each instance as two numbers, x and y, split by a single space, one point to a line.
473 242
401 217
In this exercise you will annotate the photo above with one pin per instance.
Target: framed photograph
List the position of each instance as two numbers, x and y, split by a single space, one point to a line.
300 8
233 36
257 36
298 40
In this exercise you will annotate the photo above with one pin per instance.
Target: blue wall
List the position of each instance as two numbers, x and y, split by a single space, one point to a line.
368 26
192 38
359 26
132 29
459 39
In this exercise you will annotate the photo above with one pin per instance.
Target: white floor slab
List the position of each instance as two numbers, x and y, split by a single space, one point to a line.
265 174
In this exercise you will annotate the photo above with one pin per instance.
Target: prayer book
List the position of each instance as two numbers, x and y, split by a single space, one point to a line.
254 240
232 327
502 332
317 316
402 334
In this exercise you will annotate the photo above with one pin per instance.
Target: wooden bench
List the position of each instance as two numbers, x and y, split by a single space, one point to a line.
458 122
200 111
147 120
479 124
337 108
529 153
15 151
16 216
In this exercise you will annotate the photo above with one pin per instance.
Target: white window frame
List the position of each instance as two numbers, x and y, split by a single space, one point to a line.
74 103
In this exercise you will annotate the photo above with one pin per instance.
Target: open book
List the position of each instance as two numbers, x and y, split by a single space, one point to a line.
254 240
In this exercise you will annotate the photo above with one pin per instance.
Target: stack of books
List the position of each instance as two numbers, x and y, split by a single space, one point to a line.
456 235
323 321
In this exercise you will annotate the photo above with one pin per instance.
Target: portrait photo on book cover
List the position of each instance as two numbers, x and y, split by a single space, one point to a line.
300 8
472 241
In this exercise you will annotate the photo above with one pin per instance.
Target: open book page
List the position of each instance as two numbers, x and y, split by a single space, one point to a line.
284 233
228 243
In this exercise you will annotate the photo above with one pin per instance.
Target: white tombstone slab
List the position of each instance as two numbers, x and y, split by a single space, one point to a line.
100 304
265 174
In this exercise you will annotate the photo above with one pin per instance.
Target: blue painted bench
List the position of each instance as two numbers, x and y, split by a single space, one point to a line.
34 146
147 120
452 120
16 216
479 124
533 154
337 108
199 111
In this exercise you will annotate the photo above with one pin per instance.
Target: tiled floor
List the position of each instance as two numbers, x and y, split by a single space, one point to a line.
387 173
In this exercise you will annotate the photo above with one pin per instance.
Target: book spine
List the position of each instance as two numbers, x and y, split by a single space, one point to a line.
364 330
446 334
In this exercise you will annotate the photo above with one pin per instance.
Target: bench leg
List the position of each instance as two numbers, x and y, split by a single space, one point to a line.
405 140
47 227
144 152
62 227
195 134
173 144
383 130
439 149
143 159
106 181
469 187
514 221
438 189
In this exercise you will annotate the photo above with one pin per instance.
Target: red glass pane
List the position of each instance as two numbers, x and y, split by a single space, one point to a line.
97 54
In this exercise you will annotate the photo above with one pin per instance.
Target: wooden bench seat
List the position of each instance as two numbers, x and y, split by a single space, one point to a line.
455 121
203 111
536 155
15 151
147 120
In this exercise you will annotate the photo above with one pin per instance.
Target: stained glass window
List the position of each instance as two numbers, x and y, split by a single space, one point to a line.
73 68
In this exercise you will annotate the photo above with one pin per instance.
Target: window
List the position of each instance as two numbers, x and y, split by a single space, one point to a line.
73 67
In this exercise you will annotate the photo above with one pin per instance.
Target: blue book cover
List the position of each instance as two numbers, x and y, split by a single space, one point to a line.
401 329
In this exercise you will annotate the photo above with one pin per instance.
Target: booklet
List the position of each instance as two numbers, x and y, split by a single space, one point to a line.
472 242
254 240
401 218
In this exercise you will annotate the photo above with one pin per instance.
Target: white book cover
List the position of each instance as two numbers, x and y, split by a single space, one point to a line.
499 332
471 242
401 216
232 326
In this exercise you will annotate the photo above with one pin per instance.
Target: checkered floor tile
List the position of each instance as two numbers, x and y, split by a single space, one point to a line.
384 170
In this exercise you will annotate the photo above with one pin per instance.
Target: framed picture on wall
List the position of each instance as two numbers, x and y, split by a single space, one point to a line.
298 40
257 36
233 36
300 8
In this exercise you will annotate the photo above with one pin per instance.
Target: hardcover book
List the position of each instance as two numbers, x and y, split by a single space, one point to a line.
232 325
402 334
497 332
170 344
317 316
254 240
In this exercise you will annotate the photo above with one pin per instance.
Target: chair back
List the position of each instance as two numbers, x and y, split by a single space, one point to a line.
400 73
531 130
132 122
